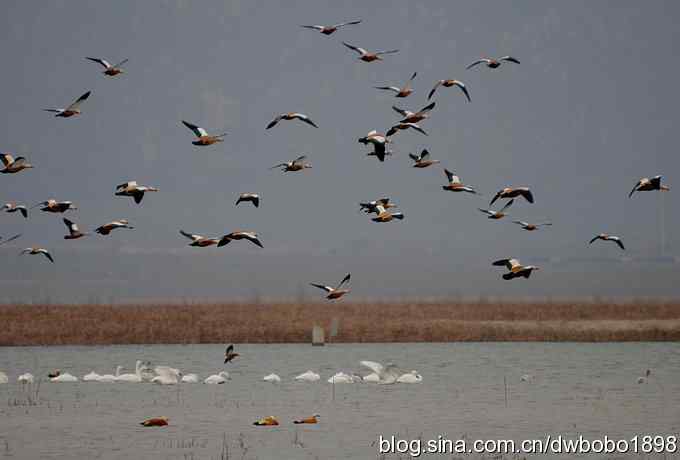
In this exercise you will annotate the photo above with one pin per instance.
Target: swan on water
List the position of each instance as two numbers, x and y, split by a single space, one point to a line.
410 377
387 375
132 378
25 378
309 376
91 377
3 378
341 377
166 375
217 379
645 378
527 378
272 378
371 378
64 377
110 378
190 378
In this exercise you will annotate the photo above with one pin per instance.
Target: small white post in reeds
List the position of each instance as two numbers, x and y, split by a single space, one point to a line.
318 338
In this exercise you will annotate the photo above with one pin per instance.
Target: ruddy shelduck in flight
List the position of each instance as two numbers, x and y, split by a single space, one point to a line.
404 91
497 214
13 207
250 236
298 164
414 117
249 197
423 160
38 250
11 238
11 165
448 84
203 138
372 206
403 126
334 292
367 56
200 241
607 237
513 192
55 206
328 30
646 185
531 227
493 63
229 354
385 216
291 116
516 269
136 191
109 227
379 142
71 110
455 185
73 231
109 70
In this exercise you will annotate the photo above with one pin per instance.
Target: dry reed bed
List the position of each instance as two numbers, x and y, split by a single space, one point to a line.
359 322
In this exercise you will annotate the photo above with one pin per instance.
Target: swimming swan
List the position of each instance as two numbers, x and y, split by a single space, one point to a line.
387 375
217 379
272 378
110 378
25 378
91 377
166 375
309 376
371 378
3 378
410 377
132 378
65 377
341 377
190 378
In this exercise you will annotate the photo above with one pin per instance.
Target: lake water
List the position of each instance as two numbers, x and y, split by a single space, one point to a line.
578 389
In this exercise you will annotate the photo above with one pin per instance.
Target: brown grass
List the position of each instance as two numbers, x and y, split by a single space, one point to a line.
359 322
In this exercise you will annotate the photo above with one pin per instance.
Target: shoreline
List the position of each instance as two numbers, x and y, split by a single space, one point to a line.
358 322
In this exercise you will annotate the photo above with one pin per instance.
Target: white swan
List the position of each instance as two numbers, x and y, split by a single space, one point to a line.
146 372
3 378
65 377
91 377
309 376
387 375
25 378
110 378
132 378
410 377
190 378
272 378
527 378
166 375
341 377
371 378
645 378
217 379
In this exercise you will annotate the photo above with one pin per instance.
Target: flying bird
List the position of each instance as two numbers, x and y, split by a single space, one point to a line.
404 91
200 241
71 110
136 191
646 184
379 142
367 56
203 137
403 126
334 292
298 164
422 160
372 206
73 231
531 227
414 117
455 185
109 70
448 84
13 207
385 216
109 227
249 197
55 206
497 214
516 269
493 63
514 192
607 237
328 30
250 236
291 116
37 250
11 238
229 354
11 165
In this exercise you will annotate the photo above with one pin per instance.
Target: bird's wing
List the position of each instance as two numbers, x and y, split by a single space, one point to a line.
46 254
305 118
348 23
507 205
414 157
429 96
487 211
313 27
102 62
520 222
417 128
12 238
229 349
72 227
595 238
618 241
54 110
495 197
526 193
279 165
634 188
375 367
509 59
425 154
477 62
656 181
464 89
252 237
78 101
344 280
544 224
388 88
7 159
20 161
450 176
190 235
401 112
300 158
198 131
321 286
427 108
223 241
355 48
274 122
121 63
386 52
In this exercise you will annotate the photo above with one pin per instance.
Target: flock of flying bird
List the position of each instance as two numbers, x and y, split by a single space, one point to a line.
381 208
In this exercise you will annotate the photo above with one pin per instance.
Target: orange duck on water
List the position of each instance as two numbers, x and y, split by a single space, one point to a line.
310 420
270 420
156 421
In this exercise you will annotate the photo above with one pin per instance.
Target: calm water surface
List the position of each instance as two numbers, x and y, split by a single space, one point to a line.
587 389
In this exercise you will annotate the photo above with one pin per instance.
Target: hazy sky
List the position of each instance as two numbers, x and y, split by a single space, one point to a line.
592 108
